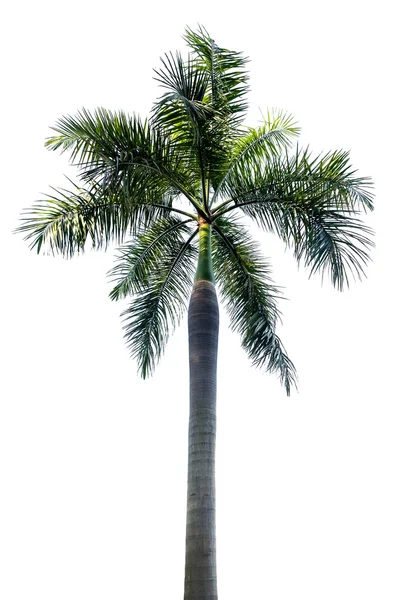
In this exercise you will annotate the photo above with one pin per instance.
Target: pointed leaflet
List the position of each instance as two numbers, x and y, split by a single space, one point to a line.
158 268
66 221
227 75
226 94
299 178
182 115
257 145
182 106
139 258
204 104
333 242
250 297
110 148
312 204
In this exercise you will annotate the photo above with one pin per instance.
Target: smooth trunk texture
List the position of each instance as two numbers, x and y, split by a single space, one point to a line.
204 265
200 569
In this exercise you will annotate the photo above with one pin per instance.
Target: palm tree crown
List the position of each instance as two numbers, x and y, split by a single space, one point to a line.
176 188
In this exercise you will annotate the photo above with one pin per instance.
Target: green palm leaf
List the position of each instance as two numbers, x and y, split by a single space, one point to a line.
249 295
299 179
183 115
158 267
183 105
256 146
139 258
312 204
104 135
203 104
67 221
112 149
227 75
333 242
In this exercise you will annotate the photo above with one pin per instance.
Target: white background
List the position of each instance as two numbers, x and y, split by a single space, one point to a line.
93 460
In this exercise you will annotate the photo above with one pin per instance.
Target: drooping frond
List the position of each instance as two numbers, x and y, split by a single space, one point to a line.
249 295
138 259
312 204
333 242
161 293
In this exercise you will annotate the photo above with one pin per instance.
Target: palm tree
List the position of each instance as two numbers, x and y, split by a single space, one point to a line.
179 188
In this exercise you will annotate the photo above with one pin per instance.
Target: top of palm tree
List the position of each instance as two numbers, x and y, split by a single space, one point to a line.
152 183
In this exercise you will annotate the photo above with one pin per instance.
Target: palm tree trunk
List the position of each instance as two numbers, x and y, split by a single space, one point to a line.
200 569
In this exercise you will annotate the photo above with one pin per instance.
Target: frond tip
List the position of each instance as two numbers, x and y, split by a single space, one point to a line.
265 348
250 298
157 269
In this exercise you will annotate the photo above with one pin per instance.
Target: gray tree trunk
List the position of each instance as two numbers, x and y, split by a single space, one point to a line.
200 569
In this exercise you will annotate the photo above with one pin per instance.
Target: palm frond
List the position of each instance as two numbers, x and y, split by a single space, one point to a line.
182 106
299 178
249 295
333 242
139 258
203 105
66 221
159 305
253 149
102 135
227 74
109 148
313 205
183 115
